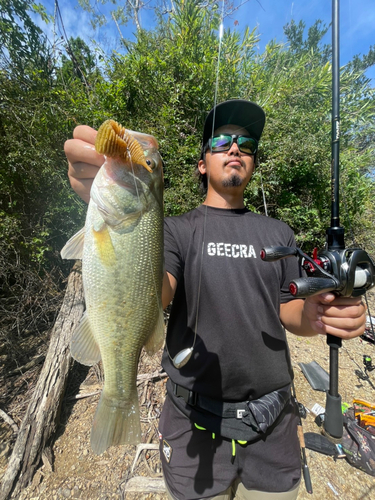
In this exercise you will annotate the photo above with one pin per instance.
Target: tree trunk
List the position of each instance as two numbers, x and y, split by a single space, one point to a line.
40 421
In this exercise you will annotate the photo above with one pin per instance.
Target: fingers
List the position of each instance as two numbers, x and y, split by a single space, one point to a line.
344 317
84 161
81 170
78 151
85 133
82 187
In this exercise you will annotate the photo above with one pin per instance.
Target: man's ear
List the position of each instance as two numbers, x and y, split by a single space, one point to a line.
202 167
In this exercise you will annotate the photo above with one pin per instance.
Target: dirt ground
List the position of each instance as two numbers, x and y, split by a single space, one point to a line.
75 472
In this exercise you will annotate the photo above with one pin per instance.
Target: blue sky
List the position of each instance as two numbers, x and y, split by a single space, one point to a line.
357 23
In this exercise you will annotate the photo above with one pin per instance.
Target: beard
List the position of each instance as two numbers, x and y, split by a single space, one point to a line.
233 181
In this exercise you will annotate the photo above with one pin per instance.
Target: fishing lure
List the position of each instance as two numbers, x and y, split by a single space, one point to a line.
114 140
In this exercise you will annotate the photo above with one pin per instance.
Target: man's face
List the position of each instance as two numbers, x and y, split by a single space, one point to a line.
228 170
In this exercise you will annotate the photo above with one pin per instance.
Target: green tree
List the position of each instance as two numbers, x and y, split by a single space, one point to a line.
293 83
38 210
166 83
23 45
122 12
79 63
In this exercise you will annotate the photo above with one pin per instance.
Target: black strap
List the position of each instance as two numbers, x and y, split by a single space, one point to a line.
220 408
247 420
260 413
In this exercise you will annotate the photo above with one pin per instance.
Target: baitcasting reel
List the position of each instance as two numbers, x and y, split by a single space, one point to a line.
349 272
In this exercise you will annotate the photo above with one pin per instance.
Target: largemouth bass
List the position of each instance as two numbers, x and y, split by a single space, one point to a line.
121 247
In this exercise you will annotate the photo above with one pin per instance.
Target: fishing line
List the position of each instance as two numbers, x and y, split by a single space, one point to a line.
183 356
263 193
221 31
134 177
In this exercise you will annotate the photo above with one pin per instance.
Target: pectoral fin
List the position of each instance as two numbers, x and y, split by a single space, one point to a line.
73 249
83 346
156 339
104 245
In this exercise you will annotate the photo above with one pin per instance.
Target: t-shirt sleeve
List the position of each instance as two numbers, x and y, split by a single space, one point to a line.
292 271
173 260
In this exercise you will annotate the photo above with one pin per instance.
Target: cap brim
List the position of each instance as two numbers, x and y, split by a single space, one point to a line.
245 114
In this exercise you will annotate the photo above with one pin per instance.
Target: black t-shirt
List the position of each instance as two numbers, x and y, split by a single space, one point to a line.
232 299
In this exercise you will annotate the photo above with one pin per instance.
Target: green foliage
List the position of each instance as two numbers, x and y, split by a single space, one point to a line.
164 84
122 12
23 48
79 63
38 210
170 77
293 84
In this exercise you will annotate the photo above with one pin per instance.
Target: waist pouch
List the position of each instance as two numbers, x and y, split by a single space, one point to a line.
246 420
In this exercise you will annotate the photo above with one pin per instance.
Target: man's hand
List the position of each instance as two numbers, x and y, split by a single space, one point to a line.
344 317
84 161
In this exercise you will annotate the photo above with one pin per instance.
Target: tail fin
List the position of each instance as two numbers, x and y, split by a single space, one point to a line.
115 423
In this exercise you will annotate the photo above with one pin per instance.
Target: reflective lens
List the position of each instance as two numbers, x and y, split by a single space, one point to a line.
224 142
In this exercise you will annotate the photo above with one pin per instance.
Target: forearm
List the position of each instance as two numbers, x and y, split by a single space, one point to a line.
169 288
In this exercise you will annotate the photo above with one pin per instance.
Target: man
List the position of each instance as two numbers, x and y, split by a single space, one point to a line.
226 351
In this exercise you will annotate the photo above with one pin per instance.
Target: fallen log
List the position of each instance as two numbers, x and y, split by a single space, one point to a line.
40 421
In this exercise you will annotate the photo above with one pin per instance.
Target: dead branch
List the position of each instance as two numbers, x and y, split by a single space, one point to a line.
150 376
141 447
9 421
22 369
83 395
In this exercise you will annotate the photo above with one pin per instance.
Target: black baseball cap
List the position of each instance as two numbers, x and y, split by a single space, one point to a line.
245 114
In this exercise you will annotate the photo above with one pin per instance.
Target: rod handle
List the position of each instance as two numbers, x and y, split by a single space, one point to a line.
333 419
307 478
333 341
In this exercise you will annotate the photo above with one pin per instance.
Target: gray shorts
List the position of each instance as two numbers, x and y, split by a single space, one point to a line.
198 465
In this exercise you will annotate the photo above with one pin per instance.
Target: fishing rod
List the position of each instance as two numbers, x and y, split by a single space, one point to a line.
348 272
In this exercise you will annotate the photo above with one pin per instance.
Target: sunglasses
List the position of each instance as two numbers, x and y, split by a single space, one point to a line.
223 142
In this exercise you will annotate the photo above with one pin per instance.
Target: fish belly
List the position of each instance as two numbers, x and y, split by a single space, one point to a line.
122 276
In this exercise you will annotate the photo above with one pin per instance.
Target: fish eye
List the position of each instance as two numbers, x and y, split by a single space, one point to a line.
151 163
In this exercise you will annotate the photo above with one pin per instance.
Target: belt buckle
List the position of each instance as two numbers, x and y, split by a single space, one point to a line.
188 396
